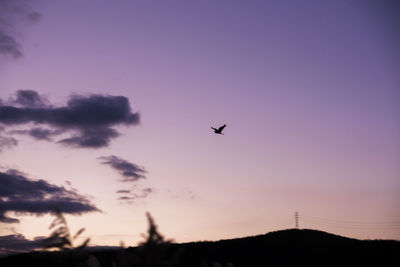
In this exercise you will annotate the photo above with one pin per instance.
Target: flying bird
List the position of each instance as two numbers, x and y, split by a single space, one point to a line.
219 130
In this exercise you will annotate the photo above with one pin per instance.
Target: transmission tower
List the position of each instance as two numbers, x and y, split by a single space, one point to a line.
296 219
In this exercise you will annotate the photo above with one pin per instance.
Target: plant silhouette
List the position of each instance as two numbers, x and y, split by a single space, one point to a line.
60 238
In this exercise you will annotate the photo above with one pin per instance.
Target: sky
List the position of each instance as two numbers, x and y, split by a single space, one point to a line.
106 109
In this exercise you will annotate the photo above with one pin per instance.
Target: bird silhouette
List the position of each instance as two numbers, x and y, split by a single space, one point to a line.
219 130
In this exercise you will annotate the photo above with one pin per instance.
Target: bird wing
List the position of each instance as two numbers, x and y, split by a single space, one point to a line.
221 128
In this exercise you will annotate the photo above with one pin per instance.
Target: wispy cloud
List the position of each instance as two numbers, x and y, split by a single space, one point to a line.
7 142
11 10
129 171
182 193
88 119
8 45
123 191
25 196
134 194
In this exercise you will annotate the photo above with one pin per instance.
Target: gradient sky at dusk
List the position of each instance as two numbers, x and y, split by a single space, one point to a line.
309 91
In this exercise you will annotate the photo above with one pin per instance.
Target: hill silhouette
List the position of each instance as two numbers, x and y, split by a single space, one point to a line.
305 247
292 247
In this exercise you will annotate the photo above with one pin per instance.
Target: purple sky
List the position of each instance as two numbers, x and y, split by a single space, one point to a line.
309 91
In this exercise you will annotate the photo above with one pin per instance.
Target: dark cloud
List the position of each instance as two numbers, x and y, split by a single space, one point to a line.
17 243
89 119
81 112
22 195
29 98
38 133
10 11
42 134
91 138
130 172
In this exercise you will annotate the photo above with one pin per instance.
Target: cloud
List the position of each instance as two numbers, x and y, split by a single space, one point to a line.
182 193
22 195
135 194
91 138
11 10
34 16
123 191
125 198
130 172
17 243
38 133
88 119
8 45
29 98
7 142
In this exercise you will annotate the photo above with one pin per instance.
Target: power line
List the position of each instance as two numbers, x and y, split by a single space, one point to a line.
352 224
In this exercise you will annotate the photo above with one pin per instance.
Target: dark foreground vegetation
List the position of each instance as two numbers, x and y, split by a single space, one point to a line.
291 247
